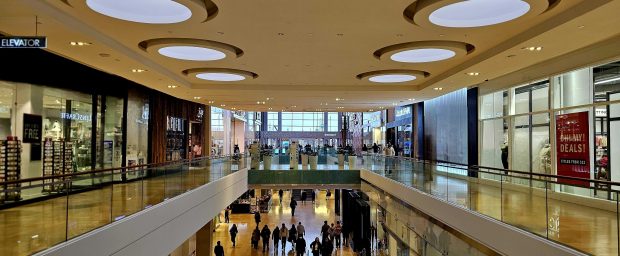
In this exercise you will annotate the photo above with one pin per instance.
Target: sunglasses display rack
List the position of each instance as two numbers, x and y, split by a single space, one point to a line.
57 160
10 168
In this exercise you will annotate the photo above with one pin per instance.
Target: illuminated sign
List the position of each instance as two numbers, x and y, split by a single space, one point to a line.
403 111
23 42
75 116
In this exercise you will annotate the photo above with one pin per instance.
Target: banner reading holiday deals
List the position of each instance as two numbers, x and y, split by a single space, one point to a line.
573 147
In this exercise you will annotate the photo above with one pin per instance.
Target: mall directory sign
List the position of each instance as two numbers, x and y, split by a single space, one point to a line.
573 147
23 42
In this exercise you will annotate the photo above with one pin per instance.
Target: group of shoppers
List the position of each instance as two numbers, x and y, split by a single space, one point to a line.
388 150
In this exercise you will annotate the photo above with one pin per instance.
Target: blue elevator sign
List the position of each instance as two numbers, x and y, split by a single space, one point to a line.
23 42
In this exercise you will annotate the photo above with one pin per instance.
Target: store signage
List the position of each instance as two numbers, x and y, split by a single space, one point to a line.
33 128
200 114
75 116
600 112
573 147
174 124
403 112
23 42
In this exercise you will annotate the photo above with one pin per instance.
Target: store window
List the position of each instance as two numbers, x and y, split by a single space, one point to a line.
217 131
7 97
573 88
494 105
138 114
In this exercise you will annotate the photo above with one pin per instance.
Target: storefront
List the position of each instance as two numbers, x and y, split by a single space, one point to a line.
374 128
401 130
565 125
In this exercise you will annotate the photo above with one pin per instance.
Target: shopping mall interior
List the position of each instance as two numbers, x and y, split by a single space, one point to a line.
272 127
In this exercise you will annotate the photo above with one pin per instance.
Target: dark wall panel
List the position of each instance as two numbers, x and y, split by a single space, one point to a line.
445 128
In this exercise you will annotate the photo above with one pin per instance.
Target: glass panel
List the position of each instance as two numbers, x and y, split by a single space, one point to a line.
7 98
524 208
521 144
573 88
138 112
494 145
606 80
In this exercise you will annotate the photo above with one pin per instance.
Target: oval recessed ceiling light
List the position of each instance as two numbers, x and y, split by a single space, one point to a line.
142 11
220 74
423 55
195 53
478 13
222 77
392 76
395 78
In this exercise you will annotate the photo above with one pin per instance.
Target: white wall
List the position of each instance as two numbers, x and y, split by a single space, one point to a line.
162 228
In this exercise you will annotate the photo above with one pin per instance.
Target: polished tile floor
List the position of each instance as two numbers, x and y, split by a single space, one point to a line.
311 216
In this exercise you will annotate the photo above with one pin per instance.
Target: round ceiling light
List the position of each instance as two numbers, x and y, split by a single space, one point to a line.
220 74
478 13
142 11
194 53
394 78
423 55
220 77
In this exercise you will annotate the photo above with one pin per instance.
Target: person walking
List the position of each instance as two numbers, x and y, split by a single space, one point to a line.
257 217
292 236
219 250
301 230
337 232
281 194
315 247
226 215
300 246
233 234
324 230
375 148
265 234
330 231
293 205
313 196
275 235
304 196
283 236
328 247
255 238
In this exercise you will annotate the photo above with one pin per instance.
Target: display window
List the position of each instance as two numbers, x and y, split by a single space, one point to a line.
568 125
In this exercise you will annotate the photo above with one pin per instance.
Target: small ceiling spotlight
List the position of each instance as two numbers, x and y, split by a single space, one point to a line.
172 86
211 102
411 99
223 105
80 43
437 88
137 70
473 73
533 48
197 97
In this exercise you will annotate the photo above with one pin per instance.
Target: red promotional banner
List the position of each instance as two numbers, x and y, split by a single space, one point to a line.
573 147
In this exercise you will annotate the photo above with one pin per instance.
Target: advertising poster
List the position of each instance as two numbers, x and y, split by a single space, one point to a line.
573 147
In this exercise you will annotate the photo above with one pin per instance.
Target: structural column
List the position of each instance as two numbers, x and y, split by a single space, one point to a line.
204 240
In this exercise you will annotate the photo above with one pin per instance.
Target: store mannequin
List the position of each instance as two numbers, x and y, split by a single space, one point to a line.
545 157
504 156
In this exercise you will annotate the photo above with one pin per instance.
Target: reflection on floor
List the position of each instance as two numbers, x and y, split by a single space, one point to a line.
311 216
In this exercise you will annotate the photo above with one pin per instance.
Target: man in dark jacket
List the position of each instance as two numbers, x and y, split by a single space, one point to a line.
265 233
281 194
328 247
257 217
300 246
293 205
324 230
219 250
275 235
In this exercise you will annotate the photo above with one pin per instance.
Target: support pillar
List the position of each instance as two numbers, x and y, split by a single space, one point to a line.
337 200
204 240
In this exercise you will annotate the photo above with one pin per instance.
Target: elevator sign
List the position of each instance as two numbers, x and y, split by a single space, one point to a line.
23 42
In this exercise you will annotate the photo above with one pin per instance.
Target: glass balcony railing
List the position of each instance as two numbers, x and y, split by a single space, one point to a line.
315 177
579 213
49 219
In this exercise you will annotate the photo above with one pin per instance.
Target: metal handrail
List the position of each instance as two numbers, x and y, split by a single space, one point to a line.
475 168
107 170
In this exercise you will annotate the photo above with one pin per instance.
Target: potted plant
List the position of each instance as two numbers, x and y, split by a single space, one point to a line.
314 160
352 160
267 160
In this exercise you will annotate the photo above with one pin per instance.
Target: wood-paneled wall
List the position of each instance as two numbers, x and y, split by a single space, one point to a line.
164 105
